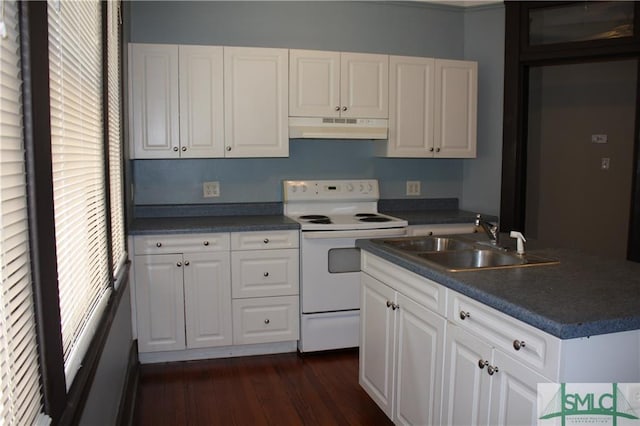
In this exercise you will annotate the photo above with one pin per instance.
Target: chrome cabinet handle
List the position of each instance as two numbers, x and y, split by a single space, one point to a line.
266 241
206 243
175 148
228 148
179 264
492 370
337 108
431 149
267 321
344 108
482 363
186 263
158 244
184 148
395 306
518 344
437 149
266 274
389 303
464 315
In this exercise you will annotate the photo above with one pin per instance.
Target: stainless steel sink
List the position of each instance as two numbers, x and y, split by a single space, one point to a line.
422 244
457 254
469 260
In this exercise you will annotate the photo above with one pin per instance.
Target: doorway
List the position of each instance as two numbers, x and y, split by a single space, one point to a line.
580 155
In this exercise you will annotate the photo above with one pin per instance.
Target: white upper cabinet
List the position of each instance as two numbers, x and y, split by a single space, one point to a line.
201 101
432 108
334 84
256 111
154 101
208 101
456 108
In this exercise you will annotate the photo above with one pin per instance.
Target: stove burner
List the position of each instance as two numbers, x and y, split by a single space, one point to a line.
325 220
314 217
375 219
365 215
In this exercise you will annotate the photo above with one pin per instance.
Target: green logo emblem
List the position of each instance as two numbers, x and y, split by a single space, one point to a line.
586 405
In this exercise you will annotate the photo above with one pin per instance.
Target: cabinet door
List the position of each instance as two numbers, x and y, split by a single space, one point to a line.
514 392
159 302
411 101
456 90
256 86
201 102
314 83
419 363
207 299
154 100
364 85
377 342
466 385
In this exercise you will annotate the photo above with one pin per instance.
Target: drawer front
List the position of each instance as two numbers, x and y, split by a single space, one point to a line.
261 240
180 243
529 345
441 229
266 319
259 273
421 290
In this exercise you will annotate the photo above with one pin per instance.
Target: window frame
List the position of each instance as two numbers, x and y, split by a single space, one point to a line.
64 407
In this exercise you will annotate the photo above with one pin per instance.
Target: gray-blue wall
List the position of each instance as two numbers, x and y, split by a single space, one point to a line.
402 28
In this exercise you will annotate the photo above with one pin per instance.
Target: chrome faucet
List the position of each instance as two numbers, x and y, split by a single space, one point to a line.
490 229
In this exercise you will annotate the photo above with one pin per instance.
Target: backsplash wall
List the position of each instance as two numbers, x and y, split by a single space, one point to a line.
260 179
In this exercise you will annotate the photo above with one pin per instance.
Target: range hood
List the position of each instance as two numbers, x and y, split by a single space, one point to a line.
337 128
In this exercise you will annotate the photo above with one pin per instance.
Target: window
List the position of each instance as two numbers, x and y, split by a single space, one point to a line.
20 396
77 149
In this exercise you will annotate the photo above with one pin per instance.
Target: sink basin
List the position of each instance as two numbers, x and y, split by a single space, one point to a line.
427 244
456 254
470 260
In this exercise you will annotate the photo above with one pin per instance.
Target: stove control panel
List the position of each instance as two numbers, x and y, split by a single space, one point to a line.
327 190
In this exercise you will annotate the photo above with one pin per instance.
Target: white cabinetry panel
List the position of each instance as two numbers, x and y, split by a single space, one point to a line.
265 319
256 102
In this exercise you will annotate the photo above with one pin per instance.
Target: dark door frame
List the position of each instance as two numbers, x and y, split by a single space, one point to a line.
519 57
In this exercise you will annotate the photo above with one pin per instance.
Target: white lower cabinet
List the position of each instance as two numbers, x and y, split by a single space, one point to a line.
429 355
182 299
400 354
199 291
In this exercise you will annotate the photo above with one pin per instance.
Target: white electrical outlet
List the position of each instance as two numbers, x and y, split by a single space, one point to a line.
413 187
210 189
605 162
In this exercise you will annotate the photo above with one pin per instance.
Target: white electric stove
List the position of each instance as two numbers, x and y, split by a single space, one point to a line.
332 215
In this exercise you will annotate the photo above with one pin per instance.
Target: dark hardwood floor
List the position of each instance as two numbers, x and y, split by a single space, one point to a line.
284 389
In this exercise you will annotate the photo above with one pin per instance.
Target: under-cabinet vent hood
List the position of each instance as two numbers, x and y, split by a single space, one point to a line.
337 128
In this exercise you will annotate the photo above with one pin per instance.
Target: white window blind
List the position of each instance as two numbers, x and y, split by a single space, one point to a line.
20 395
115 138
75 62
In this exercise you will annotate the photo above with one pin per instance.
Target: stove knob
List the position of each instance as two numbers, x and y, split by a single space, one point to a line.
304 188
361 187
370 187
294 188
349 187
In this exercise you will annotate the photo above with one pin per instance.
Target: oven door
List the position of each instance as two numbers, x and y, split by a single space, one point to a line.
330 268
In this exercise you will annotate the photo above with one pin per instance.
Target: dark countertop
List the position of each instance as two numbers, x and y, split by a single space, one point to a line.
174 225
583 295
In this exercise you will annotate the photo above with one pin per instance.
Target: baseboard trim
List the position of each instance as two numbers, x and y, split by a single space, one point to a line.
130 389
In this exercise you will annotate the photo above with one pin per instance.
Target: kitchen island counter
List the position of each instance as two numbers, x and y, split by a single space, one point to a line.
583 295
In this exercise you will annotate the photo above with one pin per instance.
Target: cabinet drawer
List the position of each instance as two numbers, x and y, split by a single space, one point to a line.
264 320
180 243
419 289
264 240
540 350
258 273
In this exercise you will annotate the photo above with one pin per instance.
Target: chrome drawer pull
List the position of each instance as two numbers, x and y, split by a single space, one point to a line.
158 244
464 315
267 321
266 241
482 363
491 370
266 274
206 243
186 263
389 304
179 264
518 344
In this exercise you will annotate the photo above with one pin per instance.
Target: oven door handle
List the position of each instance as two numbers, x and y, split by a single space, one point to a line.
353 233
